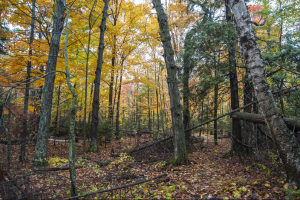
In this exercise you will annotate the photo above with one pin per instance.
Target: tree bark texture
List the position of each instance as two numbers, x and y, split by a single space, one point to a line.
24 133
95 109
287 146
236 148
180 153
187 65
40 155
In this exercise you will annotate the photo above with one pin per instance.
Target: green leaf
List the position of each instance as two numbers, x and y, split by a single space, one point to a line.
236 194
172 187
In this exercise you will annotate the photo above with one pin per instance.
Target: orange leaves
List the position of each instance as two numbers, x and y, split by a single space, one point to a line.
254 8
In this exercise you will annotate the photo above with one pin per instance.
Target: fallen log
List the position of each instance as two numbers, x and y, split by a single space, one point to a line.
120 187
149 145
292 124
55 168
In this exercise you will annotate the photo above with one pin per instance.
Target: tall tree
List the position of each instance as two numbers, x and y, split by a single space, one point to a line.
216 89
180 153
118 106
286 143
95 111
187 65
72 146
234 89
86 72
40 155
26 100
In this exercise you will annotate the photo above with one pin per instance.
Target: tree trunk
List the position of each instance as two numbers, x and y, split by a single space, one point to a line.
187 65
72 146
40 155
86 74
112 74
286 143
118 107
149 109
95 111
24 133
111 87
215 114
247 125
161 110
236 147
180 153
57 115
157 104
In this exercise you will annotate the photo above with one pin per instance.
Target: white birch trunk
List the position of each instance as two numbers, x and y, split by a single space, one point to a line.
285 141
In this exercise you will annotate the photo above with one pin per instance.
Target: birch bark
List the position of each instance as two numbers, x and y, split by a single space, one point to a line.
285 141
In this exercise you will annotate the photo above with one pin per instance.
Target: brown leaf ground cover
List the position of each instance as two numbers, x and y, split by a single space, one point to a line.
210 174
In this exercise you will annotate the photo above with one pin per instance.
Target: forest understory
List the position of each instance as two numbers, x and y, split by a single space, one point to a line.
211 173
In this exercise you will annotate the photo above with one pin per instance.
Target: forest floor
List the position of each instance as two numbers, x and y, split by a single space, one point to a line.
210 174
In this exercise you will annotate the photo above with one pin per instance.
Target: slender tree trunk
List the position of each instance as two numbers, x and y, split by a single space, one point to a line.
236 147
95 111
111 87
57 115
40 155
286 143
157 104
215 114
72 147
26 100
113 62
161 110
180 152
149 109
86 75
89 120
207 107
116 90
118 107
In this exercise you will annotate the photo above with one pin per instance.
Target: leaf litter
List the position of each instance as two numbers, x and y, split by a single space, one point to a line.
209 175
